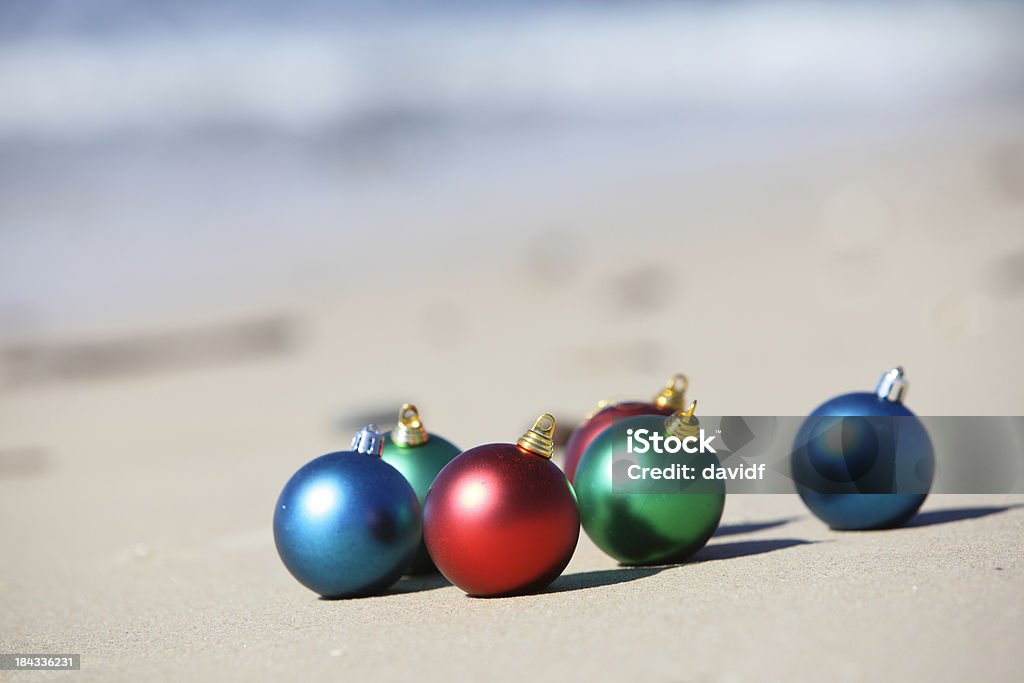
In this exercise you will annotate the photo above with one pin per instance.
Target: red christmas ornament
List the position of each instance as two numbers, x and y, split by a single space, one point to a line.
671 399
501 519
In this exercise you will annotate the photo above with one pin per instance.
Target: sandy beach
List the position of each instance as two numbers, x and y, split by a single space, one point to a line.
164 372
136 504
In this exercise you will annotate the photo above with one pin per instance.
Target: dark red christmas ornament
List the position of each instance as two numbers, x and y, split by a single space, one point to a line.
671 399
501 518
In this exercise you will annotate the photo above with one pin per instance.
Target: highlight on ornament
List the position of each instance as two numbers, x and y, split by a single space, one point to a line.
347 523
501 519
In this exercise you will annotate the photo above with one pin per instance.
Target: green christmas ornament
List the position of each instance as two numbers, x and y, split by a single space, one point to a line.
419 456
636 503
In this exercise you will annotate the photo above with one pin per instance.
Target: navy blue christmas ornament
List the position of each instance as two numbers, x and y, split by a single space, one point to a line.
348 523
863 460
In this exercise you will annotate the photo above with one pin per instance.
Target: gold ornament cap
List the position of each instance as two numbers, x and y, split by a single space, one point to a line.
673 396
540 439
683 423
409 429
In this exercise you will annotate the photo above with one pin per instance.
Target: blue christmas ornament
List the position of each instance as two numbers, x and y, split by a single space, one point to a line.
863 460
348 523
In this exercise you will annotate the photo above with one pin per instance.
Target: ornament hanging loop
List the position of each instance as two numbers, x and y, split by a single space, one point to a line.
893 386
540 439
683 423
409 429
368 441
673 396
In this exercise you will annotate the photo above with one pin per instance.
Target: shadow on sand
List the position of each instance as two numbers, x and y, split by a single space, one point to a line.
933 517
718 551
751 527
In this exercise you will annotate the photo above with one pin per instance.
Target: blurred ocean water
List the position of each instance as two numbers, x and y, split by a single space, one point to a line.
219 149
75 71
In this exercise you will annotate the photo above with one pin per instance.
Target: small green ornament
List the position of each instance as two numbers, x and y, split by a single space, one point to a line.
646 520
419 457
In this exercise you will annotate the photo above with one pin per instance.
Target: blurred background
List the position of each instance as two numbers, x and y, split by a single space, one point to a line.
436 200
238 221
232 232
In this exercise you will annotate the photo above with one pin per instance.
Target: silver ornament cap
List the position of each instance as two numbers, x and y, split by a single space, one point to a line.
368 441
893 386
